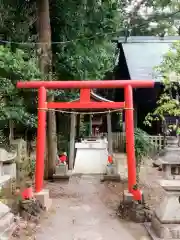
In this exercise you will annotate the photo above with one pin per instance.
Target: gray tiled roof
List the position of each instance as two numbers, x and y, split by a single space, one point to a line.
144 53
155 39
143 57
95 97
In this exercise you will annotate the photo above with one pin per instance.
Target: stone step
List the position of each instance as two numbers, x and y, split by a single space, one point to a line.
172 140
172 149
112 178
6 221
61 170
4 210
7 226
63 176
4 179
7 234
171 137
172 144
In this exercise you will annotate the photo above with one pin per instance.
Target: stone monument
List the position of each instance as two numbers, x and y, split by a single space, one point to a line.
7 169
7 174
166 218
22 161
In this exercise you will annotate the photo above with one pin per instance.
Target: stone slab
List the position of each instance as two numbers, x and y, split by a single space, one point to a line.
128 197
44 199
63 176
90 160
169 156
171 185
7 156
10 169
61 170
4 179
59 176
110 177
6 222
7 234
4 209
121 163
169 210
153 235
151 232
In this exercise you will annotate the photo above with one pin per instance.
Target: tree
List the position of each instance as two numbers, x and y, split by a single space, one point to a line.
168 103
151 17
16 105
18 18
85 30
45 62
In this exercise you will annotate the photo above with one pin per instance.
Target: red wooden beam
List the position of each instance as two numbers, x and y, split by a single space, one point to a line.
85 105
85 95
86 84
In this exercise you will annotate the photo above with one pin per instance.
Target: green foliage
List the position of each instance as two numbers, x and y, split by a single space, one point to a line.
16 66
3 139
88 27
153 17
168 103
143 146
17 21
32 168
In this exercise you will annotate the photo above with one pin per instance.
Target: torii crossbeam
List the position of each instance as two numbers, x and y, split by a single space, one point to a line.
85 87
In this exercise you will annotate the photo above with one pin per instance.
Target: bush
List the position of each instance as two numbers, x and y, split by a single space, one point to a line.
143 148
143 145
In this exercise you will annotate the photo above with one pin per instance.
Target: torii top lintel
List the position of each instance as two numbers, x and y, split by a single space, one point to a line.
86 84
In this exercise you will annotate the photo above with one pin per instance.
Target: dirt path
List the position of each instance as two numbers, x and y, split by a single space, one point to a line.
81 212
84 208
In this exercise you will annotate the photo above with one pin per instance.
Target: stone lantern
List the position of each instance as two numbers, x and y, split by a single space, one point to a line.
166 218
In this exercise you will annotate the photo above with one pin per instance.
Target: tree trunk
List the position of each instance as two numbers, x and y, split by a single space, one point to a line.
11 130
45 62
52 142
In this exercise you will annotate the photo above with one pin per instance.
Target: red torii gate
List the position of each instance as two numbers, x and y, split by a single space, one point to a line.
85 103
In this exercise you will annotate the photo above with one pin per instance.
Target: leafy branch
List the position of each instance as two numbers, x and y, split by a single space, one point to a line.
168 103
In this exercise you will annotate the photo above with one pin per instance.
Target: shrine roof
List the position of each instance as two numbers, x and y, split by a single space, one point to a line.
95 97
143 54
148 39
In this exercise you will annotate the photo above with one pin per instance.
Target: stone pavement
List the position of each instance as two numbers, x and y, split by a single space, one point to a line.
80 213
